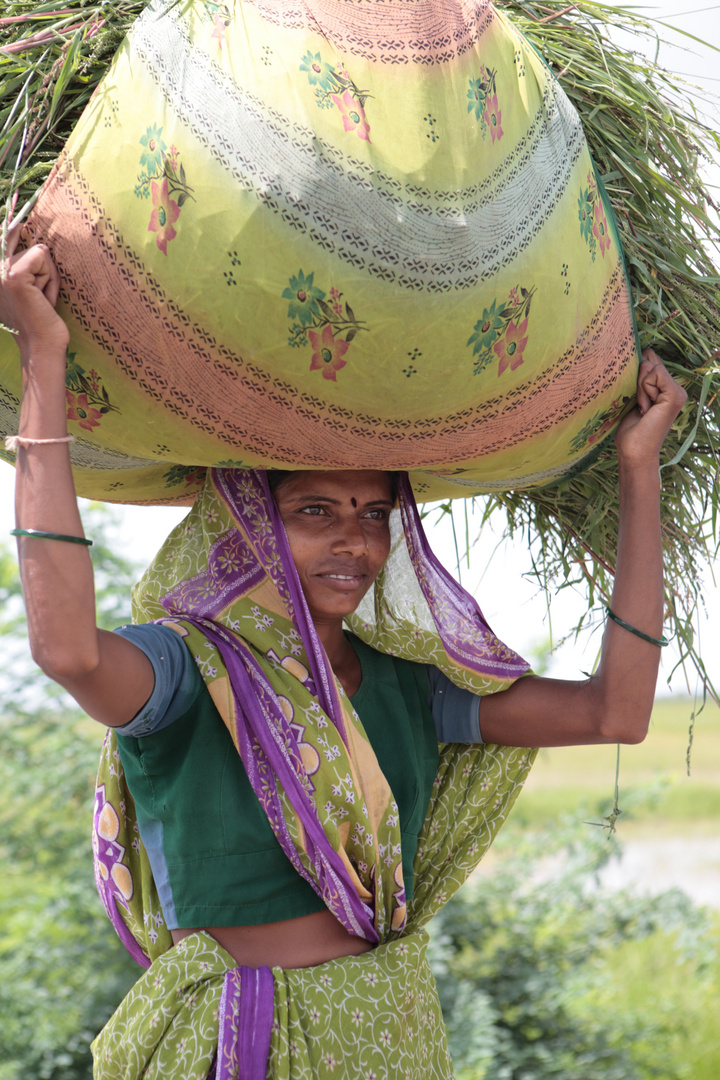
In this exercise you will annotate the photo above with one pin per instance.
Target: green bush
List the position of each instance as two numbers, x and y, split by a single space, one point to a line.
542 975
62 969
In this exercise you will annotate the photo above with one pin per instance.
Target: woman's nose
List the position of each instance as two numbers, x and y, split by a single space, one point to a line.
350 538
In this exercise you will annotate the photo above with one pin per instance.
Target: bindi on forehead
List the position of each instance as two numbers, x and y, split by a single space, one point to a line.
353 502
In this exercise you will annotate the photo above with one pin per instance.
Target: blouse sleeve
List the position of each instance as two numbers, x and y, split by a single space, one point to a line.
456 712
176 678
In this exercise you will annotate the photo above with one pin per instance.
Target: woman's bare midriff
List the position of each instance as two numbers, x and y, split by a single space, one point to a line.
294 943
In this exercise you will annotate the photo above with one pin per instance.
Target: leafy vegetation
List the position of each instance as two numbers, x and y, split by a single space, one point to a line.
62 970
648 137
542 975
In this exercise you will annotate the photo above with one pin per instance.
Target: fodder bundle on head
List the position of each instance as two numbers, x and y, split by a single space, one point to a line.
648 139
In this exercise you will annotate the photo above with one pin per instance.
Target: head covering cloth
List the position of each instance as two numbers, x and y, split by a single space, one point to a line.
225 580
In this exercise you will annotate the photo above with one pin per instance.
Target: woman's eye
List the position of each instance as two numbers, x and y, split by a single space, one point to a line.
377 515
315 511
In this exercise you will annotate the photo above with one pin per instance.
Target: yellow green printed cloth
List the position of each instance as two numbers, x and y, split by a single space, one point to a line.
375 1017
327 235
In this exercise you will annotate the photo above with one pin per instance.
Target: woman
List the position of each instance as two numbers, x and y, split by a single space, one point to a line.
259 590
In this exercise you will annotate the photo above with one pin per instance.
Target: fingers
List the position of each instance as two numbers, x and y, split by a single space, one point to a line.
34 267
28 293
641 434
655 383
646 387
52 289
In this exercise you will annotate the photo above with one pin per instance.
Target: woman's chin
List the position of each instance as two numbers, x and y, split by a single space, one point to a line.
334 602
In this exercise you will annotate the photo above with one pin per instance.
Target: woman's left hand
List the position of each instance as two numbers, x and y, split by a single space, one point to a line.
614 704
659 400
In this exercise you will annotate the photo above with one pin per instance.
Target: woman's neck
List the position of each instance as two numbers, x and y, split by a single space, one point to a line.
343 658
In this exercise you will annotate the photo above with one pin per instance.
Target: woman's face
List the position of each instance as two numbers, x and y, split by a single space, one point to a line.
338 528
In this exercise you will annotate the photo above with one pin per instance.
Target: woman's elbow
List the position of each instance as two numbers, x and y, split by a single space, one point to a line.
624 724
62 664
620 714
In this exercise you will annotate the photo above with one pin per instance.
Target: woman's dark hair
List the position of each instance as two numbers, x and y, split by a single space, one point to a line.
277 477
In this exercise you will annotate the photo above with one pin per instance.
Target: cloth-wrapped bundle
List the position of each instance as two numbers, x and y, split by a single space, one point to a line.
327 235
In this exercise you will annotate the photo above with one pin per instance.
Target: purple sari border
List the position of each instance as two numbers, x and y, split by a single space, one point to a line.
106 887
119 924
245 1018
502 663
211 592
261 726
255 1022
225 1059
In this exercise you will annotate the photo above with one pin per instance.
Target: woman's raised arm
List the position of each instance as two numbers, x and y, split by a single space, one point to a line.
109 677
615 704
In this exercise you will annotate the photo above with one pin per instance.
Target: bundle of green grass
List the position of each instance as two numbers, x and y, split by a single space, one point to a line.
648 141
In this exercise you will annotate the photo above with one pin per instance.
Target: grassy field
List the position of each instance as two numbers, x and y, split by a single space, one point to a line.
655 789
669 980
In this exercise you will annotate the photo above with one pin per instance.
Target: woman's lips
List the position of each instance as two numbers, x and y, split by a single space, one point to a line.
343 580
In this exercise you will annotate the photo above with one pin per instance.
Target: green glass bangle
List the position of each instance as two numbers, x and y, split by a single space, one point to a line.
660 642
40 535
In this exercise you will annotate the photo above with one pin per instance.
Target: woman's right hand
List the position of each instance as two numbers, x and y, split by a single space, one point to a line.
29 288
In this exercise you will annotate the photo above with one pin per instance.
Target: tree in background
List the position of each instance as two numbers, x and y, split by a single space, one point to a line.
62 970
544 976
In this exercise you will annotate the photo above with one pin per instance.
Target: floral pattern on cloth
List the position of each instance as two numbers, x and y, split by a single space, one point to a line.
225 581
221 18
501 332
321 324
600 424
334 87
192 478
163 178
594 226
86 397
483 102
469 188
371 1016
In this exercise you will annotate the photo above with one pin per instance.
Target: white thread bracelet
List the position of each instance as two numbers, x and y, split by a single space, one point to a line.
13 442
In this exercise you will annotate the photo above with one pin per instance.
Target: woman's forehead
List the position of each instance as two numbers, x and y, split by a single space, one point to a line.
342 484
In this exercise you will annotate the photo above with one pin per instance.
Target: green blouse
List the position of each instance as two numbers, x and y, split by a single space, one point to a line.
215 859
